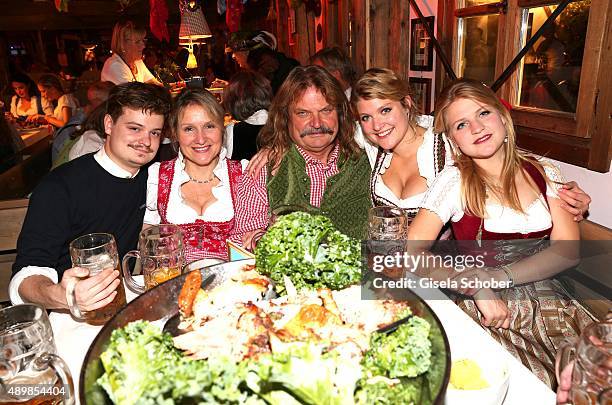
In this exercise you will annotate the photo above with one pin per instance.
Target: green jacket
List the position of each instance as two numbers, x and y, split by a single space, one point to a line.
346 199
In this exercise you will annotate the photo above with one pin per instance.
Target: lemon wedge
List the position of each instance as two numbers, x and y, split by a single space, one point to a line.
466 374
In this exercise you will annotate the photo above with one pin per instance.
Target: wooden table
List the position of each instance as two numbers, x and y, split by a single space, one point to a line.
33 135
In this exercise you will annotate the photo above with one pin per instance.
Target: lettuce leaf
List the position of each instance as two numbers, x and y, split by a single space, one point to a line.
310 251
302 373
143 367
403 353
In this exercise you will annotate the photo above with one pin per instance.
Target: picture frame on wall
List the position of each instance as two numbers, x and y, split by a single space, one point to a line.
421 45
421 93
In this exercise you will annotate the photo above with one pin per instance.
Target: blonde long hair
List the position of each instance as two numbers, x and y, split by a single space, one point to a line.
474 182
384 84
275 133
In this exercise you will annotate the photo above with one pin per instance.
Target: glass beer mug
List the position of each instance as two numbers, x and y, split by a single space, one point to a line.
592 374
95 252
387 223
160 250
30 369
387 232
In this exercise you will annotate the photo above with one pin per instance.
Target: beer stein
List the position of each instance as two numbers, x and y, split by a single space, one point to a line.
387 232
95 252
160 250
387 223
592 374
30 369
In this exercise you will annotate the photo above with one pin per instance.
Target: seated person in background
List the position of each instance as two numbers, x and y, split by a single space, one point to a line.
64 105
495 192
65 137
125 64
336 62
197 190
26 102
88 138
242 42
273 65
314 160
101 192
246 98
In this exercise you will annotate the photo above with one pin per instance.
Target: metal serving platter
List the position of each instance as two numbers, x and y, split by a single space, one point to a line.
161 302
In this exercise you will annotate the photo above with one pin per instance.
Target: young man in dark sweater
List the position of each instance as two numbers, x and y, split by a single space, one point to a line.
100 192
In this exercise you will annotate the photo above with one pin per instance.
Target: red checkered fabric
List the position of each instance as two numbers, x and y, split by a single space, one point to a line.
193 24
252 207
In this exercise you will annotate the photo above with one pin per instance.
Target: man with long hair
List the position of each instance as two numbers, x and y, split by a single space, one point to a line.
314 161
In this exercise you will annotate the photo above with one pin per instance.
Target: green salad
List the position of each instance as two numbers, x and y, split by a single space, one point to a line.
310 251
141 366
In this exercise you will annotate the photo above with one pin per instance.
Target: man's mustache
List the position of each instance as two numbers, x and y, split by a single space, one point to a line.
140 147
320 130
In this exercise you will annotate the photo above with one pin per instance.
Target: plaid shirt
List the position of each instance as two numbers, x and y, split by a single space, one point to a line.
252 207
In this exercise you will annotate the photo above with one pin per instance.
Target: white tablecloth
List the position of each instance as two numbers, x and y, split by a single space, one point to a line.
73 339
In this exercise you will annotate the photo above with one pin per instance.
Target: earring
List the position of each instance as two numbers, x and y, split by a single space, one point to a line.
506 139
456 150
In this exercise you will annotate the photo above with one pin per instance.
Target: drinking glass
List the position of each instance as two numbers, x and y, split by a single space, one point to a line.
160 250
387 232
29 365
592 375
95 252
387 223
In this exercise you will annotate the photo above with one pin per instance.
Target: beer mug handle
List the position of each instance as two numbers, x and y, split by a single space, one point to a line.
71 300
127 276
46 360
564 356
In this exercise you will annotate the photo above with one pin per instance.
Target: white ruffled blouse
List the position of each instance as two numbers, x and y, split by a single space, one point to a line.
425 162
444 199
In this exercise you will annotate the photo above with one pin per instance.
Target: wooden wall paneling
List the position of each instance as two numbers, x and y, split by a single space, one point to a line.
601 144
282 26
312 37
359 40
344 12
568 149
552 121
446 27
597 54
507 50
303 35
399 38
333 26
380 33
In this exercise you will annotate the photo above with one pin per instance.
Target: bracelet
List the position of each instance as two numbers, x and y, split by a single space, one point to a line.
506 269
